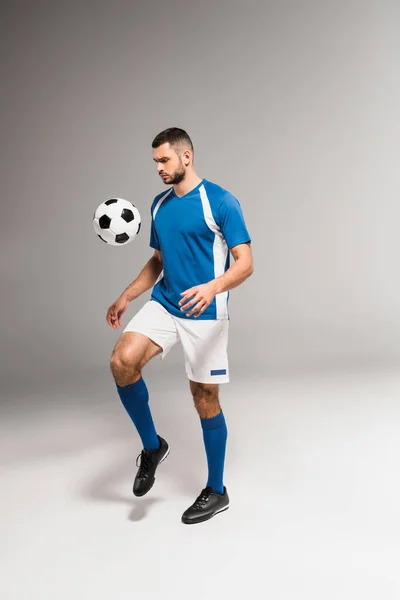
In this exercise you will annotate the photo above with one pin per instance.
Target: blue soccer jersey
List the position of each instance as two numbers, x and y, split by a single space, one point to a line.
194 233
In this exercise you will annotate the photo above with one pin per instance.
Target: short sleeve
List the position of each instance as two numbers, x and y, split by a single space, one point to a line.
154 242
231 222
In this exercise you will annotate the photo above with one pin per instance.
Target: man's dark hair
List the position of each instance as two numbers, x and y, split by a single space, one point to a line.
178 138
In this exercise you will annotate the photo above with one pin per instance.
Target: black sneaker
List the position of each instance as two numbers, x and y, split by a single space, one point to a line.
205 506
149 461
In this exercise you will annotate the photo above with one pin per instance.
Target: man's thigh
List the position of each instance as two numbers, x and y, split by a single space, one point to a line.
135 348
154 322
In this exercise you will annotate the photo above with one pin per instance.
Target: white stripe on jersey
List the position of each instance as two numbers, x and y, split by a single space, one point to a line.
157 206
220 251
161 200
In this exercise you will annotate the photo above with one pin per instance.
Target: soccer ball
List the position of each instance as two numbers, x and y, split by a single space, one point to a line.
116 221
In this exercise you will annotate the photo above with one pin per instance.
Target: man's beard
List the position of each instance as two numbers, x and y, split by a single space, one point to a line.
178 176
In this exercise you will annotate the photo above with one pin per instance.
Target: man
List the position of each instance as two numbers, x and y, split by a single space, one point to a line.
194 225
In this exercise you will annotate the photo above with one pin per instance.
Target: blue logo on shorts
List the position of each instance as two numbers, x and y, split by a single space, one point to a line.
218 372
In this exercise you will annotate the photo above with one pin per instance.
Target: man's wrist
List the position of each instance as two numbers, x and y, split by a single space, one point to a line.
216 285
126 296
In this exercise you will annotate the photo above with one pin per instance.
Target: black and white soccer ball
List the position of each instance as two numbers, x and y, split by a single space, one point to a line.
117 221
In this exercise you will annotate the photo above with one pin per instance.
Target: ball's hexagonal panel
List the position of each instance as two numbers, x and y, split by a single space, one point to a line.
113 211
111 201
132 228
108 236
118 225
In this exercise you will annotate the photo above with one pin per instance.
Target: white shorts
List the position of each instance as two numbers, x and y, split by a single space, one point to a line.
204 342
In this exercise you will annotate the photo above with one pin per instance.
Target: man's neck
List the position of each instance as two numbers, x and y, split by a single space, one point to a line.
187 185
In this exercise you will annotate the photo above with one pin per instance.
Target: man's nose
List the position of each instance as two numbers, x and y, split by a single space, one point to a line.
159 167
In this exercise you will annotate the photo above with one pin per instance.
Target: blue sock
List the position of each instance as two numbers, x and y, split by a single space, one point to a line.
214 436
135 399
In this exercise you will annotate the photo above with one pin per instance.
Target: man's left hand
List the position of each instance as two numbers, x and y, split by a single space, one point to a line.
202 296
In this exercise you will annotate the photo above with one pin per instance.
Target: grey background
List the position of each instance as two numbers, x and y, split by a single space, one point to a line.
292 106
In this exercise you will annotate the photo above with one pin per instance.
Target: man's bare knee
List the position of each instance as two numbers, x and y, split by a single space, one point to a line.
204 389
129 356
206 398
125 364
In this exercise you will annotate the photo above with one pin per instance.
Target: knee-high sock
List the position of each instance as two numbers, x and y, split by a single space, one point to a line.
214 435
135 398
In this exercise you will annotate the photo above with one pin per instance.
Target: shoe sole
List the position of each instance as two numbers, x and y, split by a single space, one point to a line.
202 519
163 458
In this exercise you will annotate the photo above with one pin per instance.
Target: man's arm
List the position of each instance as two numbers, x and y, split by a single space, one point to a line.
146 278
201 296
241 269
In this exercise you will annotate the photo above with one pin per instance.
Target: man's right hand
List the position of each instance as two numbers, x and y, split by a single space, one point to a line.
115 312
